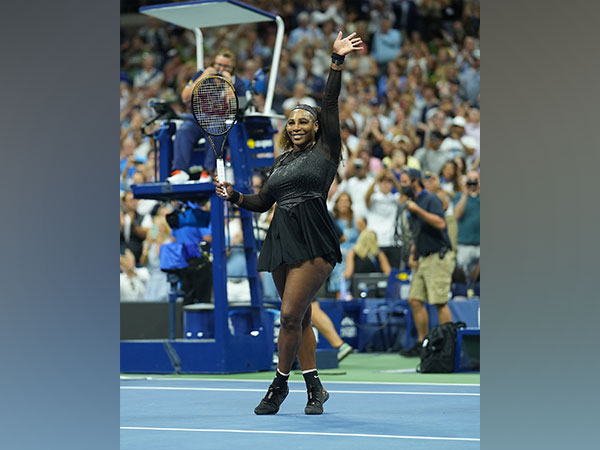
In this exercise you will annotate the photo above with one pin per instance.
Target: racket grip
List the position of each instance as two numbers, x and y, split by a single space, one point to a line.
221 170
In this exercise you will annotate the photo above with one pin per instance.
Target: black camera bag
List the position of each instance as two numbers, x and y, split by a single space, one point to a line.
439 348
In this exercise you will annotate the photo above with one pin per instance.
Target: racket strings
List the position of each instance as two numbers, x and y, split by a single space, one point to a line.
214 105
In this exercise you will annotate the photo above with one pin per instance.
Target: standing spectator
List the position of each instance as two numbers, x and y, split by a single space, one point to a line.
357 182
451 183
387 43
428 103
473 130
454 143
382 207
344 219
305 33
431 259
470 80
432 157
132 280
433 186
467 212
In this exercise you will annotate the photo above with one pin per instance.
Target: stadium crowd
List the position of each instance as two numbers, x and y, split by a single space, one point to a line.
409 100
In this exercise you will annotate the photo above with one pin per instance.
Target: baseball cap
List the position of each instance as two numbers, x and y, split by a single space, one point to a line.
437 135
400 137
459 121
414 174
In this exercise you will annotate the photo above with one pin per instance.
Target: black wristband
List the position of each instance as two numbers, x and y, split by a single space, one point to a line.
337 59
234 197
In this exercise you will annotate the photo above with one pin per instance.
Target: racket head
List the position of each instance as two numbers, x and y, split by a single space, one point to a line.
215 105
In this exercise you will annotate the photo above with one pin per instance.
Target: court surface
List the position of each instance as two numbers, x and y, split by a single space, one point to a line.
216 412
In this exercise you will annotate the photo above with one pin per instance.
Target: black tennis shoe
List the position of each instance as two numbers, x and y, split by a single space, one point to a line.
317 395
272 400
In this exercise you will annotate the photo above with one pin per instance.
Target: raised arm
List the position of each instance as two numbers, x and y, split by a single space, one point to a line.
330 115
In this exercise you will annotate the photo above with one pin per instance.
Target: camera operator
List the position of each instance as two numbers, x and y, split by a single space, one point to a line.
431 258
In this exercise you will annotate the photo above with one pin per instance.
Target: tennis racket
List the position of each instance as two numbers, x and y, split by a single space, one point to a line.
214 107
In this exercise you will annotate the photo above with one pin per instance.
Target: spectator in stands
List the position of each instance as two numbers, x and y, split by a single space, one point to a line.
451 184
134 227
428 103
467 213
149 74
403 127
387 43
366 256
431 156
454 143
431 259
470 80
357 182
382 208
433 186
407 18
374 136
189 132
305 33
344 219
473 131
157 286
132 280
299 97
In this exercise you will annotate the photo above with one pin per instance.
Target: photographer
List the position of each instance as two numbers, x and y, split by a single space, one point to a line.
431 258
467 212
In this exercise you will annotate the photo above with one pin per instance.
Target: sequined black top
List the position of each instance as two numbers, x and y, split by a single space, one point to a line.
297 176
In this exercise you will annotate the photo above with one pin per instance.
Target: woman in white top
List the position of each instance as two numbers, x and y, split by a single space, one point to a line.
450 181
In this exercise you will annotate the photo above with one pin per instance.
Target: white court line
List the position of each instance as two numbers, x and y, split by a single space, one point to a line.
170 388
407 383
309 433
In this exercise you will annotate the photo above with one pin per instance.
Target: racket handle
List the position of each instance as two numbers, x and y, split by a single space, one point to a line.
221 170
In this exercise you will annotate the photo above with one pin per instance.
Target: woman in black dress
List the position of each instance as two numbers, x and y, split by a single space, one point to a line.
301 247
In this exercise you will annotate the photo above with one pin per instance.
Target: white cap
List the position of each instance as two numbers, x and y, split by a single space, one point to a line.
459 121
469 141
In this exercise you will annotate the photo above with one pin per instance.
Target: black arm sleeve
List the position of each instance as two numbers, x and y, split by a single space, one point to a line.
260 202
330 116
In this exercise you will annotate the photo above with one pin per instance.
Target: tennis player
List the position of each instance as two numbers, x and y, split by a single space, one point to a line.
301 247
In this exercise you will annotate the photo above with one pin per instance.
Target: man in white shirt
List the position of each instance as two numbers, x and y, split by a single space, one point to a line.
456 143
133 279
358 183
382 208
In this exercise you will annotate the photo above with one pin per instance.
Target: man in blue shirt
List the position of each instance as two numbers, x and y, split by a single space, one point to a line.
387 43
431 258
189 132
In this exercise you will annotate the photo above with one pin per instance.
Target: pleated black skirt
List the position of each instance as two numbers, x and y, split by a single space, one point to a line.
299 234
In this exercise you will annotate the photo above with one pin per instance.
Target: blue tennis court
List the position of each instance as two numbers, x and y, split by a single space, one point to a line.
218 414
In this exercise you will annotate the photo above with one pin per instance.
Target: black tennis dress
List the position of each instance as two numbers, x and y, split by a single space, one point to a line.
301 228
